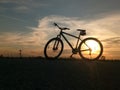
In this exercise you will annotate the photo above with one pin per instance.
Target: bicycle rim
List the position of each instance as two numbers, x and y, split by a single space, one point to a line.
90 49
53 48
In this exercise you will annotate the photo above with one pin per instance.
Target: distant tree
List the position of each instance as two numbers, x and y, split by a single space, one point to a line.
1 56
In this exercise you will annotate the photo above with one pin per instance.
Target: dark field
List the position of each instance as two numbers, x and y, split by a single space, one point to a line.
61 74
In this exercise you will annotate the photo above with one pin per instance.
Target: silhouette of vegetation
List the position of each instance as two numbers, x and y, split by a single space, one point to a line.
103 58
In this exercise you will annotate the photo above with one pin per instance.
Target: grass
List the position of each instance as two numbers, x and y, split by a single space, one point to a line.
60 74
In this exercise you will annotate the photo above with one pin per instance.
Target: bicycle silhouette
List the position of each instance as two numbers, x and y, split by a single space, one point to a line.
88 48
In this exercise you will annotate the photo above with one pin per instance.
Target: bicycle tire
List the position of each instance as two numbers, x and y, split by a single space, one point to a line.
59 42
83 42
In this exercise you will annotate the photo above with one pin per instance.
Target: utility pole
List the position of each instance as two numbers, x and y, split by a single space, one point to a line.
20 53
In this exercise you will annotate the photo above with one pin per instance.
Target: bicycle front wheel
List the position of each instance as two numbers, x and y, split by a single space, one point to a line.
90 49
53 48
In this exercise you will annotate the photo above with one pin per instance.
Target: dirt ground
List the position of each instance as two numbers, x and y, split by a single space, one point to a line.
61 74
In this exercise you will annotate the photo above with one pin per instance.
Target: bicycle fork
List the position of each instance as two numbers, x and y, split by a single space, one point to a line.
55 46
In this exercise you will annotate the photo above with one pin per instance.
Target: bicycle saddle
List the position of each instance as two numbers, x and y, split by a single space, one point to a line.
82 32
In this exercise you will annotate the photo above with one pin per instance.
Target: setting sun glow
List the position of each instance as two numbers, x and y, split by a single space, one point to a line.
93 45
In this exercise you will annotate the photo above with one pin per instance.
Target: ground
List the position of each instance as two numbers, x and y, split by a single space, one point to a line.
59 74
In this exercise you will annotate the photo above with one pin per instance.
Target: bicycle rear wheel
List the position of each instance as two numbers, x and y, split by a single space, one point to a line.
90 49
53 48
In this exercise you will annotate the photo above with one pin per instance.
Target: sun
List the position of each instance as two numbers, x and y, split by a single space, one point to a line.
93 45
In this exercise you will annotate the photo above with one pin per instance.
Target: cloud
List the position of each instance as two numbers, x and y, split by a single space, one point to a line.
30 39
112 44
16 19
22 9
106 29
113 40
15 1
21 6
105 26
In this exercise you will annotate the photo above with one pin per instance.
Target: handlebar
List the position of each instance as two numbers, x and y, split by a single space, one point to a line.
61 28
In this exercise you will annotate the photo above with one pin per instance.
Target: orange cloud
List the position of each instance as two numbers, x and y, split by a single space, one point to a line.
103 28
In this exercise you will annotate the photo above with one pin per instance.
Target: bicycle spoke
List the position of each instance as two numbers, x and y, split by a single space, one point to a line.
85 50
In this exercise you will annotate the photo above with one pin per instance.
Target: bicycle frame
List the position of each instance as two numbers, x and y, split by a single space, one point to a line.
63 35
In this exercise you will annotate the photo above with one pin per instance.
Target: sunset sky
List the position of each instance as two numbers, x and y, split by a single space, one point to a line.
28 24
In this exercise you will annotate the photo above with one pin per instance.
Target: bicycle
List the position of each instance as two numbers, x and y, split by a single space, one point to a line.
89 48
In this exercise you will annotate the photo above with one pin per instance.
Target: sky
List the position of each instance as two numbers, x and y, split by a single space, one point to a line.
28 24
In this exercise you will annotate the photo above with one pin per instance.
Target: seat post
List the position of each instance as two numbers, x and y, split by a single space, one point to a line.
78 40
